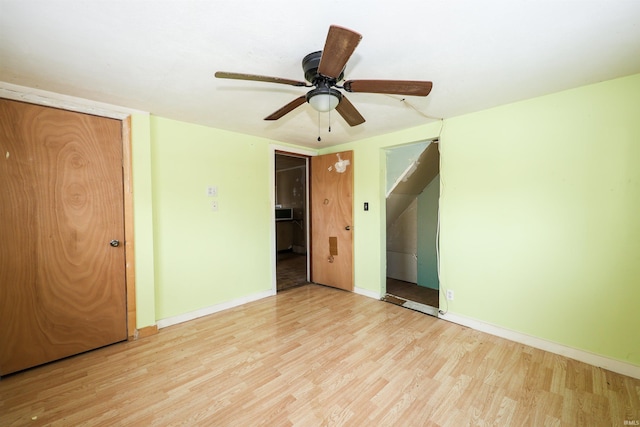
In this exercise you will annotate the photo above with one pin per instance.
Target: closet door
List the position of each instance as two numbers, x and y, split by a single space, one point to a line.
62 260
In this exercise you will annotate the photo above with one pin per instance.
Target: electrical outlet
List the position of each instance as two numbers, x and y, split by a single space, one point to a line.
212 191
449 294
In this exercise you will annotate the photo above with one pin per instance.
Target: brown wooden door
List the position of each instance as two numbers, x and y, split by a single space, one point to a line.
62 285
332 220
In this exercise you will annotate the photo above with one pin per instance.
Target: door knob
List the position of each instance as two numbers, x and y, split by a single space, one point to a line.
115 243
348 227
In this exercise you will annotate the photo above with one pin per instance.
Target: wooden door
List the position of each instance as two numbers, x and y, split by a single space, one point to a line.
332 220
62 284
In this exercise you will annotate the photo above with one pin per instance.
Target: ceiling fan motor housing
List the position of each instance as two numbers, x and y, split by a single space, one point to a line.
310 65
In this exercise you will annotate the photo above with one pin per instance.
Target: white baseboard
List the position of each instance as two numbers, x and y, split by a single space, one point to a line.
614 365
163 323
367 293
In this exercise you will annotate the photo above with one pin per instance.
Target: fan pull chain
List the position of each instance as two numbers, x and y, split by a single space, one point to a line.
320 126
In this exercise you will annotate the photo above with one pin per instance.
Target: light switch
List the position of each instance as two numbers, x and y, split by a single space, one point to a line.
212 191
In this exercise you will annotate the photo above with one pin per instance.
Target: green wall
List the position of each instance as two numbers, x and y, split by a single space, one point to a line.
539 203
539 206
539 216
201 257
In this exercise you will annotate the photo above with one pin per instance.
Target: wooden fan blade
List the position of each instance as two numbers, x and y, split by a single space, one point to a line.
257 78
340 44
349 112
395 87
287 108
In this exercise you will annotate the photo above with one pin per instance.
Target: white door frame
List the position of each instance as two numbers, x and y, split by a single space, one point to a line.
272 177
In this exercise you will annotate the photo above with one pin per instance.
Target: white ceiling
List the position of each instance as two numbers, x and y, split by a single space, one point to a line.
160 56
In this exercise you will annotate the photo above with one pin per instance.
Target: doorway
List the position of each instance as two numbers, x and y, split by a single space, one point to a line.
291 216
413 188
314 245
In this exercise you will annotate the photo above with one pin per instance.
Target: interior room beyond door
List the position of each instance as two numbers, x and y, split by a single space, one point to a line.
291 215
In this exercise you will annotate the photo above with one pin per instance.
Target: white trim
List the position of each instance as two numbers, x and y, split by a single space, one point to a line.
65 102
307 215
272 203
423 308
614 365
292 150
169 321
367 293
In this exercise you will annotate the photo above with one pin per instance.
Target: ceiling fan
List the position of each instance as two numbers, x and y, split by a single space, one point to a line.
324 69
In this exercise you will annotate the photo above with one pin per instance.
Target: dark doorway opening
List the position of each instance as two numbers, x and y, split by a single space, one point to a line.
291 206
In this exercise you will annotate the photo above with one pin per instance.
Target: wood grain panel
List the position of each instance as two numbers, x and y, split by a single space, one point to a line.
62 203
331 214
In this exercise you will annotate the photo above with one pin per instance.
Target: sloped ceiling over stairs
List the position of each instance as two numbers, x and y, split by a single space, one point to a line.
412 182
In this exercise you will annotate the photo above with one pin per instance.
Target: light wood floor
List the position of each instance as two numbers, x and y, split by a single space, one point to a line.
314 356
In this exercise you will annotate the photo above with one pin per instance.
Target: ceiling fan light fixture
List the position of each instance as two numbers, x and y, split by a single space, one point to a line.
324 69
324 99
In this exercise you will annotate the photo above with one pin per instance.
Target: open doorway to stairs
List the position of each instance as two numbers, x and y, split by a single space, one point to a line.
413 191
291 216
